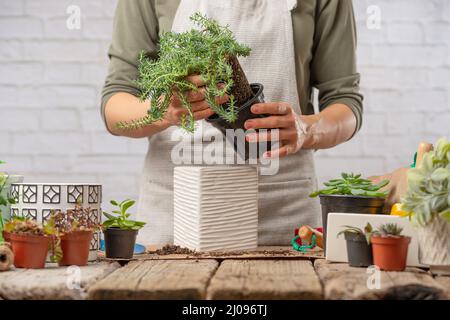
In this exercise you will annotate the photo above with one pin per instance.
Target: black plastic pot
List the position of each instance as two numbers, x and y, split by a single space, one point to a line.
359 252
119 244
244 113
348 204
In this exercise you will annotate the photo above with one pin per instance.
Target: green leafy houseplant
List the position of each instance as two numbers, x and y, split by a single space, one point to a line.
212 52
352 184
428 194
367 232
120 232
73 232
121 219
359 250
4 200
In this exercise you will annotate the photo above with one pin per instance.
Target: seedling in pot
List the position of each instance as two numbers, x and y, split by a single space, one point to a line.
29 241
359 250
350 194
73 234
390 247
4 201
352 184
120 232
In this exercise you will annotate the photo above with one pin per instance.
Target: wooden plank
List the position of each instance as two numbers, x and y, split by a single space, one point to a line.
68 283
268 252
265 279
156 279
340 281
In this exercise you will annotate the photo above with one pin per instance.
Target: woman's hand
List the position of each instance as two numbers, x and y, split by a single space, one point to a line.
292 132
200 107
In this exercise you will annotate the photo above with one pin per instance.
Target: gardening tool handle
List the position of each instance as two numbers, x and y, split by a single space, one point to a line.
423 148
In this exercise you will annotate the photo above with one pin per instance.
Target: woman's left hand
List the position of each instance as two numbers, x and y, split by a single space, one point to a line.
292 132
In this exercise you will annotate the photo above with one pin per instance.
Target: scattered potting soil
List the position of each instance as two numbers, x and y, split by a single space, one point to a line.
173 249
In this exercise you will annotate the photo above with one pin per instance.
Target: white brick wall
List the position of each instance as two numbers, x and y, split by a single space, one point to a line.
51 79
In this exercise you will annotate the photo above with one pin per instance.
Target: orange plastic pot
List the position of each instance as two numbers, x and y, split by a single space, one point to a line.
6 236
29 251
390 253
75 248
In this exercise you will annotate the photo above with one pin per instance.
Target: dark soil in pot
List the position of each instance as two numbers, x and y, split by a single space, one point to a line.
390 253
241 146
348 204
75 248
29 251
359 252
119 244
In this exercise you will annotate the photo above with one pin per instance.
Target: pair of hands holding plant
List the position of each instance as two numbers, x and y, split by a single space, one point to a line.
281 116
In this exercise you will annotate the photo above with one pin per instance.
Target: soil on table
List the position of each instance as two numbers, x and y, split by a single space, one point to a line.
241 89
173 249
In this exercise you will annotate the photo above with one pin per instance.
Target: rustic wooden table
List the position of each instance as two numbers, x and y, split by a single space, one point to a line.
268 273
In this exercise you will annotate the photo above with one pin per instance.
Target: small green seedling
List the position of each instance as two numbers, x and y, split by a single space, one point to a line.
121 218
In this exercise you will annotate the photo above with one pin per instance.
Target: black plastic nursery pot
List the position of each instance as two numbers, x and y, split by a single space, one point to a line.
359 252
119 243
242 147
348 204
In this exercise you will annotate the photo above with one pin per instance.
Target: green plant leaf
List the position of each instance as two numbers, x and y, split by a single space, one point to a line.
445 215
109 216
126 205
114 202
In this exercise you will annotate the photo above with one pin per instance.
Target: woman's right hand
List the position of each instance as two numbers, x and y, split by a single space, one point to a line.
200 107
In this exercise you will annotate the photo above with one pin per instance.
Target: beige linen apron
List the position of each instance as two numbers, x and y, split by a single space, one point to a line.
266 26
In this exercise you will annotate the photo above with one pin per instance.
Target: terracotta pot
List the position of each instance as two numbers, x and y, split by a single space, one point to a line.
29 251
390 253
75 248
6 236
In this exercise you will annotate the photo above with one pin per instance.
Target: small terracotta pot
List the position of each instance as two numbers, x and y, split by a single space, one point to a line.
390 253
75 248
6 236
29 251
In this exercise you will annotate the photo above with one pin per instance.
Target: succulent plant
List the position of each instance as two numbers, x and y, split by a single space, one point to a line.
76 219
428 194
352 184
20 225
389 229
121 218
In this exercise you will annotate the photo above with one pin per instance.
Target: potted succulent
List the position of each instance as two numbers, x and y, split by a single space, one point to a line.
30 242
350 194
5 201
212 52
427 203
359 249
73 234
120 232
390 247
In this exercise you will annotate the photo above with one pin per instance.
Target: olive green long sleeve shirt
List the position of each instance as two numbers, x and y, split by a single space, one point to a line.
324 39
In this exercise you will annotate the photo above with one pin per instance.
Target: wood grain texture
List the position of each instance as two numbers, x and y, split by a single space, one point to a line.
265 279
52 283
343 282
157 279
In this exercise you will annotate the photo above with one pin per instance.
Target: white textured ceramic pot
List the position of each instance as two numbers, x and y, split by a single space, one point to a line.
6 191
216 208
38 200
434 245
